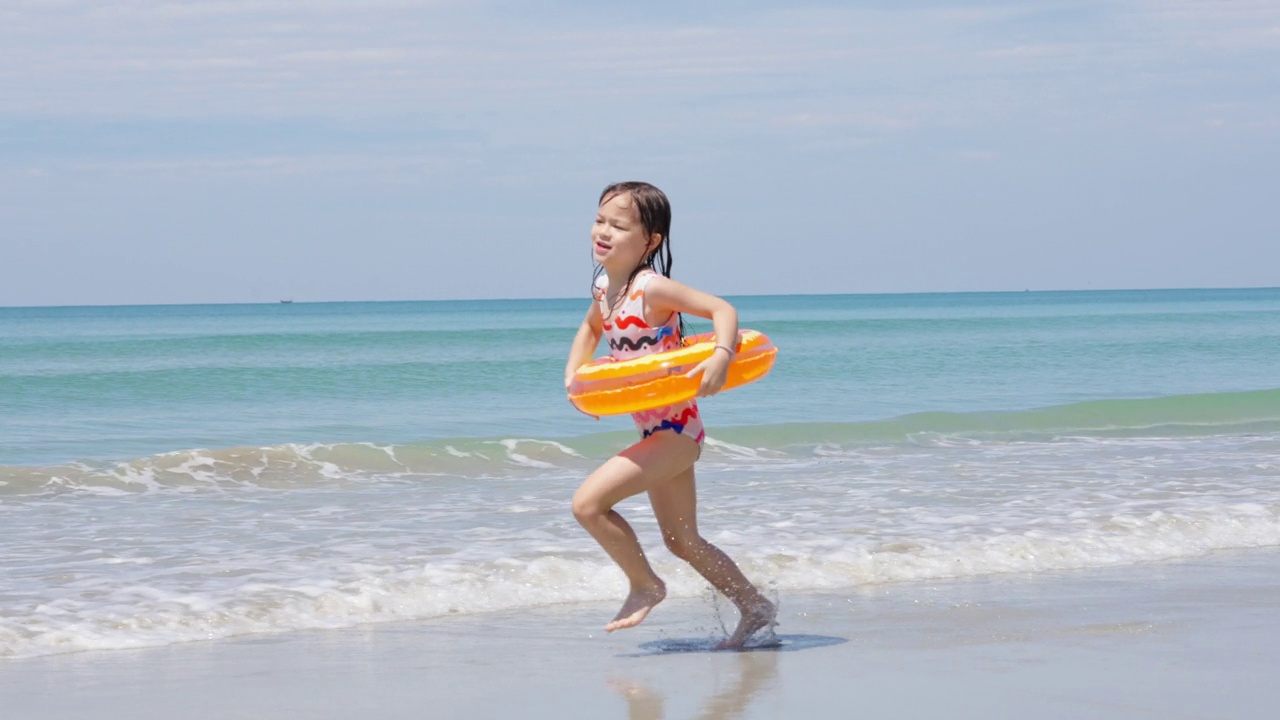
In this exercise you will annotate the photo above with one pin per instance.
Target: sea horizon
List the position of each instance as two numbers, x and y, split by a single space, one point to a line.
922 293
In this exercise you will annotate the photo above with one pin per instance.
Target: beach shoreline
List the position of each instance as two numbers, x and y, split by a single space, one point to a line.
1181 639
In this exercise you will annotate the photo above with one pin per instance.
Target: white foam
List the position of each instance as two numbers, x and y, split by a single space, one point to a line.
140 615
563 448
149 569
322 467
521 459
737 451
941 440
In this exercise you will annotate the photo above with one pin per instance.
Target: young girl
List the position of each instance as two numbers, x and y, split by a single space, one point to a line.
637 308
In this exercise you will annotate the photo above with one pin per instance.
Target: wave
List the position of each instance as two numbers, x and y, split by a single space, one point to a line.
1256 411
289 466
135 615
303 465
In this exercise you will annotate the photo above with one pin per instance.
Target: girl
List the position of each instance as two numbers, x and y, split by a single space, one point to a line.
638 311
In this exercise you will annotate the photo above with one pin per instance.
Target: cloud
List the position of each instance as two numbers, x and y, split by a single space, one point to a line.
858 120
196 59
1214 24
679 83
503 110
1044 50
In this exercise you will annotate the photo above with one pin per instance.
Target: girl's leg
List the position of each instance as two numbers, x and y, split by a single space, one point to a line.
639 468
675 503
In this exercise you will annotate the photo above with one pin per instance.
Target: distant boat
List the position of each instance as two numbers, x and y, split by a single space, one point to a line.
286 302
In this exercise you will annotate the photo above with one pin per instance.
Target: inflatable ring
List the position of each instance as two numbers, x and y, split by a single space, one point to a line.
606 386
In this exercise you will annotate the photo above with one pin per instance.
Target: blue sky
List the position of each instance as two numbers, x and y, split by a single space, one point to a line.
239 151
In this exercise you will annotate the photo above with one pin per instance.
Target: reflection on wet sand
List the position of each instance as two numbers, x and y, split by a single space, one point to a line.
754 672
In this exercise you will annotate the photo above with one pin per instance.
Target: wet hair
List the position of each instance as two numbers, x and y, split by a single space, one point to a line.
655 217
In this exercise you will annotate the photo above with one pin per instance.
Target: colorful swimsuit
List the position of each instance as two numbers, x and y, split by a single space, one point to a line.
630 337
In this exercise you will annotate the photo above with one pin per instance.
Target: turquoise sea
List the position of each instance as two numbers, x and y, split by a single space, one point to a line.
175 473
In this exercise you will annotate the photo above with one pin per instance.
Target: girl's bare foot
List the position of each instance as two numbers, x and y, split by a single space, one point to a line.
755 616
637 606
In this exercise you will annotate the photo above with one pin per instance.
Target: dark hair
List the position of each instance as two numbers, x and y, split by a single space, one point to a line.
655 217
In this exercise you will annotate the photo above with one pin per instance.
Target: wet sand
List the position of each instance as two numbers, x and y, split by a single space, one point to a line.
1189 639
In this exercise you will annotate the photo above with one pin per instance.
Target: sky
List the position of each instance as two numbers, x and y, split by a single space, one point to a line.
256 150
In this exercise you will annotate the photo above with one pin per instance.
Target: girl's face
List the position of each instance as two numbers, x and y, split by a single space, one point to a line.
618 240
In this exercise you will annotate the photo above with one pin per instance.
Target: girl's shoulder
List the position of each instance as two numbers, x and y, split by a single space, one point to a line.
643 278
651 280
639 282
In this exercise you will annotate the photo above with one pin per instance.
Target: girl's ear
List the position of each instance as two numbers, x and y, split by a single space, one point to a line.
655 242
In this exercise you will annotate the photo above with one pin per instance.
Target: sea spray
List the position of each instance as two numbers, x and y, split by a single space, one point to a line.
205 556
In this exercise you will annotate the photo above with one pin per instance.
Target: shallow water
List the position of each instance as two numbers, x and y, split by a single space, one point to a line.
179 473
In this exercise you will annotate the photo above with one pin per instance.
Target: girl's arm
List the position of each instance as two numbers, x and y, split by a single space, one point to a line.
584 343
664 296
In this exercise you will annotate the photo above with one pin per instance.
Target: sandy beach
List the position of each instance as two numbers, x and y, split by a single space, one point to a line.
1189 639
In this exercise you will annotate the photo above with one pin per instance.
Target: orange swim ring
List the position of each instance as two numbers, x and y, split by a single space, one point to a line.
606 386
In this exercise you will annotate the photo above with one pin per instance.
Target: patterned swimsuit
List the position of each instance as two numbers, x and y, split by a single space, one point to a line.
630 337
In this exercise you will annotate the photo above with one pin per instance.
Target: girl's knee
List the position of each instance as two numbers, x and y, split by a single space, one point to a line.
586 506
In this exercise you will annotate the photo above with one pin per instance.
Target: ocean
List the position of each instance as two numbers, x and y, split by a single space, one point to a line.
180 473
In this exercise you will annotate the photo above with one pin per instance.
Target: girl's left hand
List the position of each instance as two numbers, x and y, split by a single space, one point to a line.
715 370
568 380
